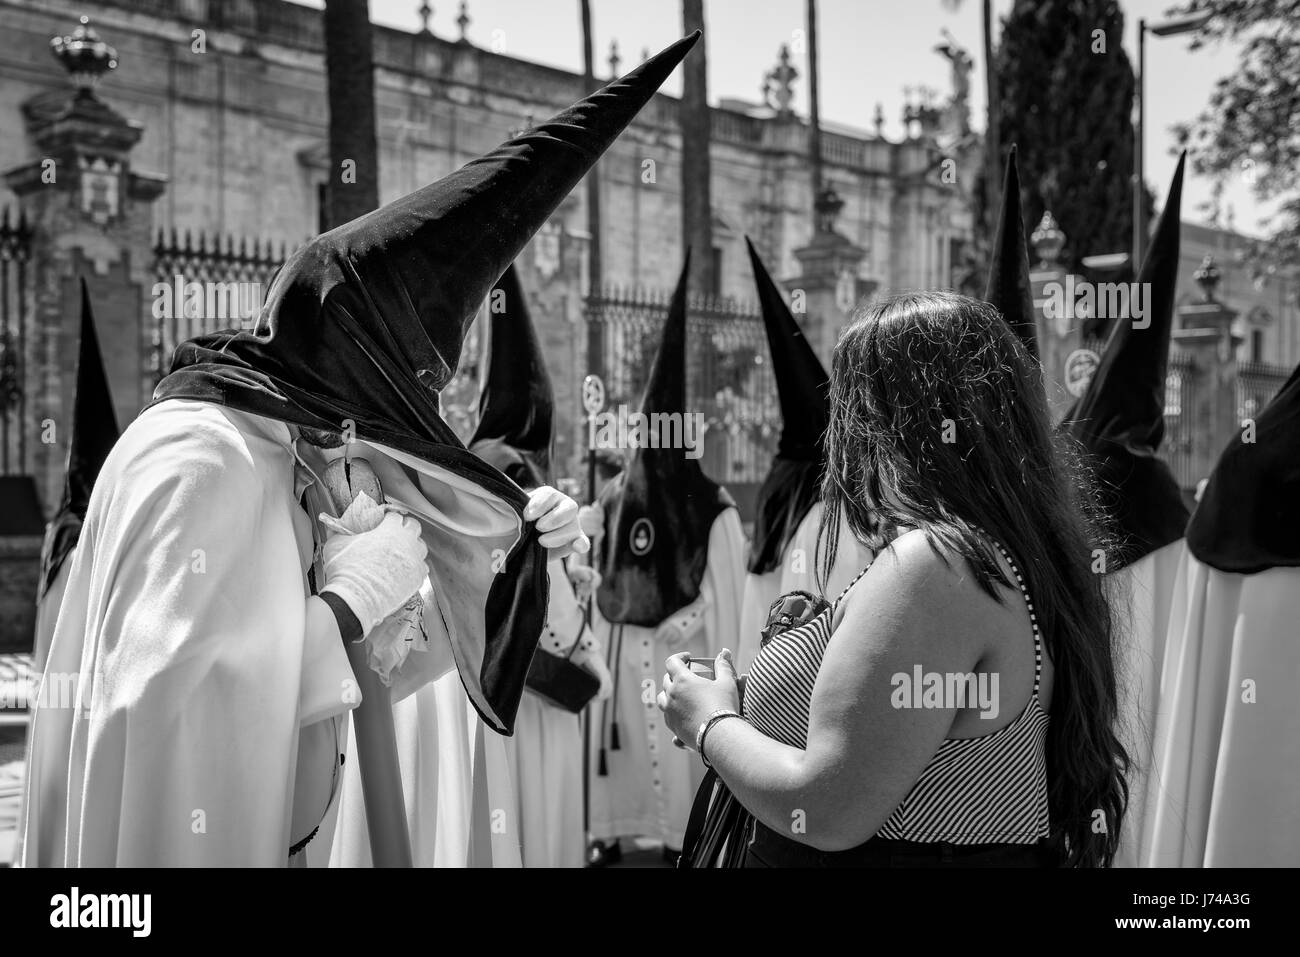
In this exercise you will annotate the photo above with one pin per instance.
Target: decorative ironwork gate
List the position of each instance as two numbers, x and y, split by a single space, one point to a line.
729 373
210 261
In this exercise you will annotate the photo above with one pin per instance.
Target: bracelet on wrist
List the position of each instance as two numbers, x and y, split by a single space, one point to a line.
705 726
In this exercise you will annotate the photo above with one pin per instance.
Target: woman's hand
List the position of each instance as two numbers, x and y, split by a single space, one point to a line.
556 516
687 698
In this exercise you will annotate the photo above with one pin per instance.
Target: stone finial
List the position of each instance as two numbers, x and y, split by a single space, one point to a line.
1207 276
426 14
462 20
1048 240
778 92
614 59
879 119
84 55
826 209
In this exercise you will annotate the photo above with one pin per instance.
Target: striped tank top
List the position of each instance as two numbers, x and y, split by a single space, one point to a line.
986 790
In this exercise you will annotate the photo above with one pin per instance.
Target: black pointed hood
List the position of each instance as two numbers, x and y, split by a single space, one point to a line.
1009 289
660 510
363 327
516 406
1120 418
93 432
1248 518
793 483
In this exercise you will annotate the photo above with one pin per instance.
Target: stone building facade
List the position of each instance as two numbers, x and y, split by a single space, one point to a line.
225 107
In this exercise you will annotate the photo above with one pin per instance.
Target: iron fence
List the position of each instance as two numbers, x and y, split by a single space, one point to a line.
729 376
244 268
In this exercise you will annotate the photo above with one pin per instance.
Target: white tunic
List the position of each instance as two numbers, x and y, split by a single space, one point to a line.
1224 789
651 784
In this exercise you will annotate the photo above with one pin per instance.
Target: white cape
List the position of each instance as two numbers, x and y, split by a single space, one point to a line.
1141 597
181 671
651 784
1225 784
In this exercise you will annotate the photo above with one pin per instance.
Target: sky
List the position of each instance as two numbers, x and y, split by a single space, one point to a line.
870 50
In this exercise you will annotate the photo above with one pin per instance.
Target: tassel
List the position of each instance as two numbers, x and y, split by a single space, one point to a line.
602 767
613 737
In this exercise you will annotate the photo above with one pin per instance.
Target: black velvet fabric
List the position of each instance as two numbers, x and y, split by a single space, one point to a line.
1009 289
516 405
793 482
1120 418
664 492
1248 518
364 325
93 433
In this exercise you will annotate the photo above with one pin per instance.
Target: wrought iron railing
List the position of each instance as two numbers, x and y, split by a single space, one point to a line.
729 374
212 262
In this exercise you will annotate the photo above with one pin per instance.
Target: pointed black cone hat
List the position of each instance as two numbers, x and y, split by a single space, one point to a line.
363 327
1009 289
1248 518
803 389
1120 417
92 435
516 405
660 510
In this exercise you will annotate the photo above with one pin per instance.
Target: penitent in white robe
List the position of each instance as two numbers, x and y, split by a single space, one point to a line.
1141 595
797 571
651 784
1224 789
546 750
205 700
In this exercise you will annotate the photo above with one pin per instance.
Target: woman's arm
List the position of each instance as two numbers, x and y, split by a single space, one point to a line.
863 754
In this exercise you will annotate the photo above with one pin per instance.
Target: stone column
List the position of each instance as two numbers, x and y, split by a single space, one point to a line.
1067 365
1205 334
828 289
91 216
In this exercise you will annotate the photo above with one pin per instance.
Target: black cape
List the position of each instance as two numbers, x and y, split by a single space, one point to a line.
661 508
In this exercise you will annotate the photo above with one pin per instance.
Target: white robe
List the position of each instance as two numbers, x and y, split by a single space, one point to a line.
473 797
546 751
797 571
651 784
1141 595
1225 784
185 612
457 788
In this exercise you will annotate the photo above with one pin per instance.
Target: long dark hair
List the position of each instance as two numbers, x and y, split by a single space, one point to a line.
939 422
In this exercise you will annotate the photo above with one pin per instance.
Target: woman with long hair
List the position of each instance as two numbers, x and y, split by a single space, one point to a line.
956 705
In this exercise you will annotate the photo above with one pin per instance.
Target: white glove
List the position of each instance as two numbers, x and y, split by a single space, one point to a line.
584 580
556 516
377 571
591 519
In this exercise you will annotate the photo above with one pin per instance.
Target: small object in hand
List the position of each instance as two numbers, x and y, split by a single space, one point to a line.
704 667
790 611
